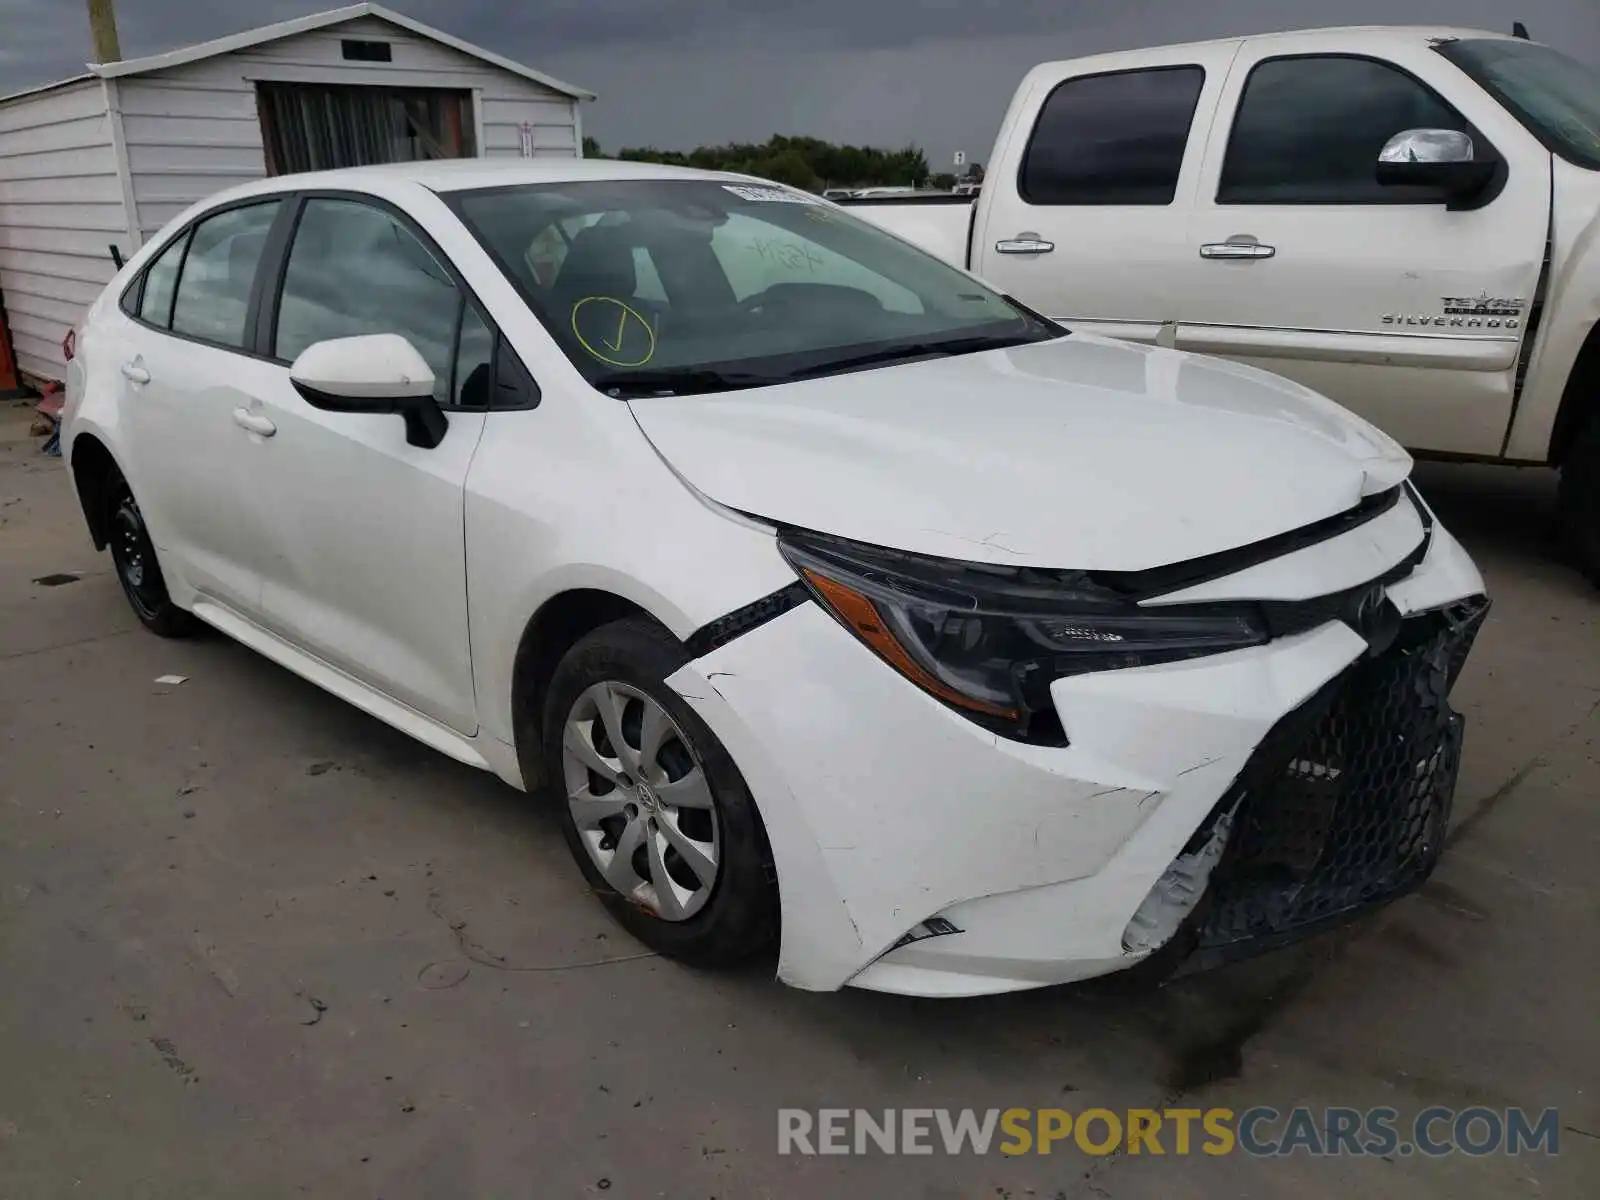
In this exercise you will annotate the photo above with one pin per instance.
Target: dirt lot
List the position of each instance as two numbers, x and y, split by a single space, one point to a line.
255 944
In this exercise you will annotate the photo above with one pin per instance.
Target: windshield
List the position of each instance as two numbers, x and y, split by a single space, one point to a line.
692 285
1556 97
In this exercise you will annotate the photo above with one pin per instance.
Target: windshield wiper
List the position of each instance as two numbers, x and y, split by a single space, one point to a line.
700 380
626 384
905 350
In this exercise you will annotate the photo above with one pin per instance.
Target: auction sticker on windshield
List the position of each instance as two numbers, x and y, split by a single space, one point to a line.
768 194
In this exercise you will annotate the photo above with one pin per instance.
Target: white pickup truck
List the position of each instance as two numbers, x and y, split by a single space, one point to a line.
1405 220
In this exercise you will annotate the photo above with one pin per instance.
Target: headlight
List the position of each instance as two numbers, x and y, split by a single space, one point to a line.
989 640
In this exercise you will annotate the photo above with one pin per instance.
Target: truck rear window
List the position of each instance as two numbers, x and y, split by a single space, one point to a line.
1112 139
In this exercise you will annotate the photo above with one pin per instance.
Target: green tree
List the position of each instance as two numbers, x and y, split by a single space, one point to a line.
790 167
804 162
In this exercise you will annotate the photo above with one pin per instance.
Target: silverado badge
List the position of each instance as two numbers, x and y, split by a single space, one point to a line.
1482 311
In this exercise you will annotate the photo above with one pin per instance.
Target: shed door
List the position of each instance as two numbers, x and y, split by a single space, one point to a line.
317 127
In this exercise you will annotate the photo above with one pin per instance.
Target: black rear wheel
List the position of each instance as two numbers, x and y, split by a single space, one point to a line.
138 571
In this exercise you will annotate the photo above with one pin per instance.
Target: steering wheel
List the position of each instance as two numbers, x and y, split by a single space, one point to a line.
753 303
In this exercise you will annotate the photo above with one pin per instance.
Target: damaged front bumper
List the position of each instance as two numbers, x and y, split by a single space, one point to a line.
1203 810
1342 808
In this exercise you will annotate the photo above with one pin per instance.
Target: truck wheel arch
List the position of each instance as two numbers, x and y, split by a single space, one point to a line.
1580 400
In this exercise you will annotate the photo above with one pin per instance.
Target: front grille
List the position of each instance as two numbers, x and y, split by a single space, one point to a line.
1285 618
1345 803
1288 617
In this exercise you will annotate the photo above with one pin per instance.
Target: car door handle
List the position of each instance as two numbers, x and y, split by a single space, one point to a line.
1024 243
133 372
245 419
1239 249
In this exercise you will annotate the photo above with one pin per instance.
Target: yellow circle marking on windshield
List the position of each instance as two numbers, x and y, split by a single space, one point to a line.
614 340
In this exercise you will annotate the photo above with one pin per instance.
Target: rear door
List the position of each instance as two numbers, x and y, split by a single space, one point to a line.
1382 298
1085 216
187 374
369 565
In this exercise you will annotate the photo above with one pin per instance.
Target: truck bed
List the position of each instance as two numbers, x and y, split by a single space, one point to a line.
940 223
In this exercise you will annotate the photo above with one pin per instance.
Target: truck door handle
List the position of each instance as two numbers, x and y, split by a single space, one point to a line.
245 419
1237 248
133 372
1024 243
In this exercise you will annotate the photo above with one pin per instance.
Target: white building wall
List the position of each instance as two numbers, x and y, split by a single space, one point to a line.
61 208
194 130
191 131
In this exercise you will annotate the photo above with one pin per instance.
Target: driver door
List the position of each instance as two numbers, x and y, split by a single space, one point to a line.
1407 309
369 572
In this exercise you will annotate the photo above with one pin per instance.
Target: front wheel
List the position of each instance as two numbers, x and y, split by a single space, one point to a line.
1580 500
655 812
134 555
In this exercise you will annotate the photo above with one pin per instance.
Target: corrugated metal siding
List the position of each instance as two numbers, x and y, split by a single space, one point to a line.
60 209
194 130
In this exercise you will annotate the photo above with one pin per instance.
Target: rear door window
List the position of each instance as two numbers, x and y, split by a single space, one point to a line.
219 273
160 283
1115 139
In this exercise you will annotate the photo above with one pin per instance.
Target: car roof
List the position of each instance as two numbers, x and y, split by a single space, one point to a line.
463 174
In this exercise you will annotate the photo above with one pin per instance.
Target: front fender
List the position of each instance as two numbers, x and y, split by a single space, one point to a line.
1571 313
533 534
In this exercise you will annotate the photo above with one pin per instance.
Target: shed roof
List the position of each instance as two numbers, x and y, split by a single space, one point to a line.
40 89
283 29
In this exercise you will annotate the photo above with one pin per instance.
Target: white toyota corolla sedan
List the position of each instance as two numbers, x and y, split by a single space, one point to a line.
841 602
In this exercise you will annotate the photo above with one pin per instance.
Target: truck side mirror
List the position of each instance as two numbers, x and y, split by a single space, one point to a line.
1439 158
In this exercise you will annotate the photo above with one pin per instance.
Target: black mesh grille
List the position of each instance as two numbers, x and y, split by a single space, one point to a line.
1346 802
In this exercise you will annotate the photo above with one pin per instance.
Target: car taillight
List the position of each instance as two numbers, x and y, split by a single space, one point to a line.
69 345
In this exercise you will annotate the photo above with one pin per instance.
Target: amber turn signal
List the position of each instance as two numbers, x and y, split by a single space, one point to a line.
860 615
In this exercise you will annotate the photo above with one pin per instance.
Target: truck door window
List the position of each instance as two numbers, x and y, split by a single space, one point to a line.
1309 131
1112 139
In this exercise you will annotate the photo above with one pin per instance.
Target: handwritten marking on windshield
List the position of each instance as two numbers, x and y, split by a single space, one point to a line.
631 329
789 255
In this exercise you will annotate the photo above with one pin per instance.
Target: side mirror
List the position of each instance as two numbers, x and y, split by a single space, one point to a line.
1438 158
375 373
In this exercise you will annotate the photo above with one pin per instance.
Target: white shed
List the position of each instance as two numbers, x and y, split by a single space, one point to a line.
108 157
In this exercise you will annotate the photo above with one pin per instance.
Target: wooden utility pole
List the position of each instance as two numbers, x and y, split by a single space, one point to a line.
103 29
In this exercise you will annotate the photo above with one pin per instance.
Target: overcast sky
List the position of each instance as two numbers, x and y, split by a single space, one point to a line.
678 73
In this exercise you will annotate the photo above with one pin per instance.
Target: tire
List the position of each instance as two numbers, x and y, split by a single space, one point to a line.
138 571
1580 500
688 793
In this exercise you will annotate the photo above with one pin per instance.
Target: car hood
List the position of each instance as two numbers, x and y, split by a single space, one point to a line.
1078 453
